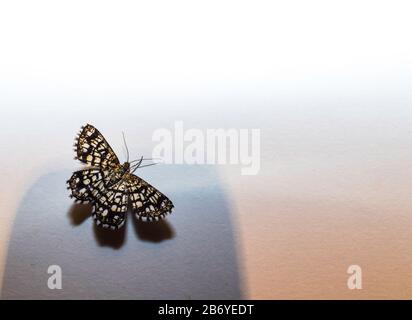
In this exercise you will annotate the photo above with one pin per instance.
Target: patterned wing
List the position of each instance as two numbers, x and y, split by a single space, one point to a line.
109 200
110 208
93 149
148 203
87 185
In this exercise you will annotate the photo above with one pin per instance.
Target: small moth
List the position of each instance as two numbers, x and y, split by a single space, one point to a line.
112 187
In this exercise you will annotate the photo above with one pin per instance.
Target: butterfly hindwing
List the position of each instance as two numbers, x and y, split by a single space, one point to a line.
87 185
93 149
147 202
110 208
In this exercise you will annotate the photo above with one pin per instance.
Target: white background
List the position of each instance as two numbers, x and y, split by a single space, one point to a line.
327 82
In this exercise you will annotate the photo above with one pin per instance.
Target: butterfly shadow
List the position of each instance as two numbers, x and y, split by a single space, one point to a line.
192 254
157 231
145 231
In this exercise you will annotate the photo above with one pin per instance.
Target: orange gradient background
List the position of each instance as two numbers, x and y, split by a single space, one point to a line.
327 84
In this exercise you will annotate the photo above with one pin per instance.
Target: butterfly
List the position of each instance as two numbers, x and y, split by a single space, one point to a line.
112 187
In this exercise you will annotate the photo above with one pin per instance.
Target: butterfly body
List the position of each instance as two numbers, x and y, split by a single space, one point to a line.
120 172
111 187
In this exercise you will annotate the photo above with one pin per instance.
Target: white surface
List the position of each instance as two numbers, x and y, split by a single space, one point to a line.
327 82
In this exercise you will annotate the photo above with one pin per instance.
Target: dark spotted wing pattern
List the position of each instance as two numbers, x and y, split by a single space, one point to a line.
92 148
87 185
148 204
111 207
110 187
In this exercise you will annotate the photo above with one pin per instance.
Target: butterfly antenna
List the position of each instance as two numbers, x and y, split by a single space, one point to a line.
137 164
125 144
144 159
146 165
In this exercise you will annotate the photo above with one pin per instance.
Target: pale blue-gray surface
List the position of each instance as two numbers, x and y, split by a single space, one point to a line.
190 255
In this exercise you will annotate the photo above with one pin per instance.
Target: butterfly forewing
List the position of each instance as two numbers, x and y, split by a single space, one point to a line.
93 149
147 202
